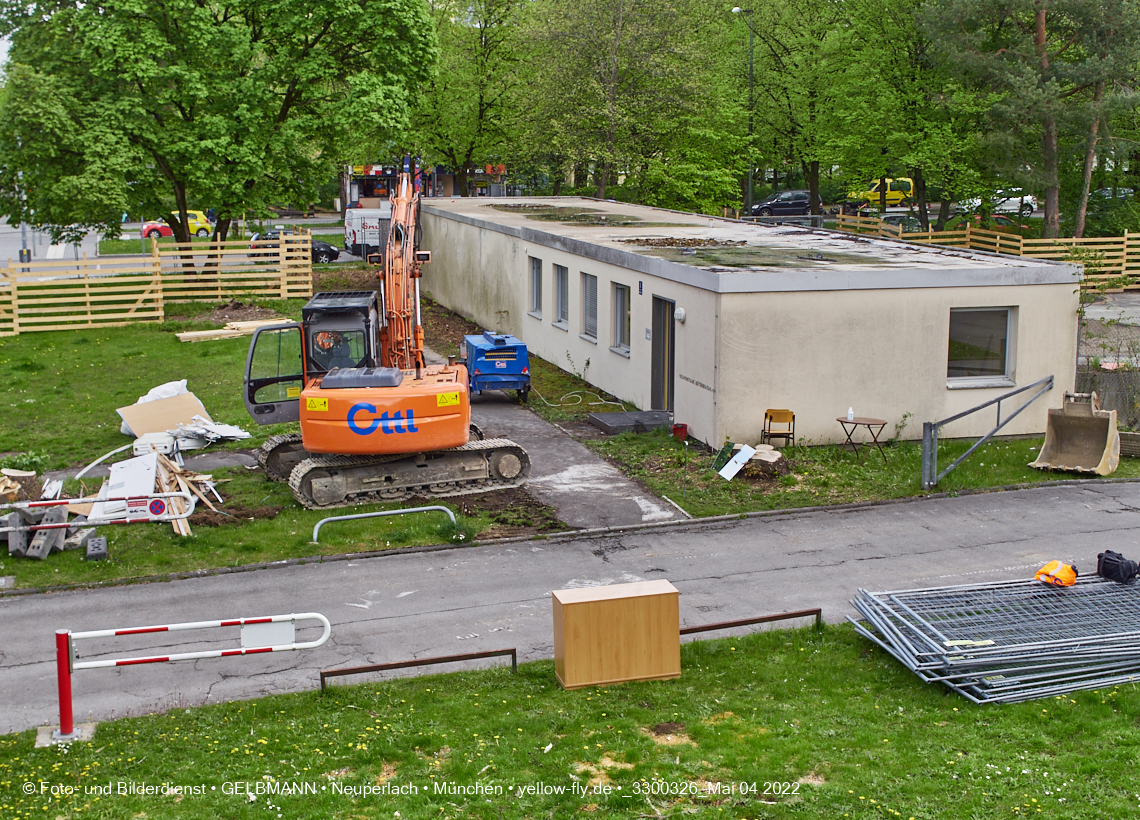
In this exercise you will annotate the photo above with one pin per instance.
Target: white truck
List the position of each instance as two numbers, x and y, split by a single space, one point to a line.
366 230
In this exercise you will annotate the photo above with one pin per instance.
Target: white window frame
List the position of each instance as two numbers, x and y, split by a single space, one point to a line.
589 307
535 287
561 297
622 308
1006 379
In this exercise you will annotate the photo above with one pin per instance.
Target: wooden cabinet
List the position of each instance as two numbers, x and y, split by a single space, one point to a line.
616 633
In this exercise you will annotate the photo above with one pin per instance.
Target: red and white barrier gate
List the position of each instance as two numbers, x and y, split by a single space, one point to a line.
275 633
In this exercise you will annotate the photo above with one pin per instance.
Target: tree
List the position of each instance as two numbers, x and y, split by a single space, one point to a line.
1041 57
161 104
618 87
464 113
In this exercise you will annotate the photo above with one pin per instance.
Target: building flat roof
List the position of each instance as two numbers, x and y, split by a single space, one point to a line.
730 256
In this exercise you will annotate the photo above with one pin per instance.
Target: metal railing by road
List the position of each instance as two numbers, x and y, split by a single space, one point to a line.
930 474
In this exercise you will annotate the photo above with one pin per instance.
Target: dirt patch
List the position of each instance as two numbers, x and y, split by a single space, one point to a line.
669 734
513 513
679 242
812 779
387 772
233 514
239 312
443 329
347 278
719 718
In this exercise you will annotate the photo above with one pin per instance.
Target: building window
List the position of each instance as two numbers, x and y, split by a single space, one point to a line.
589 305
536 287
621 319
561 296
979 344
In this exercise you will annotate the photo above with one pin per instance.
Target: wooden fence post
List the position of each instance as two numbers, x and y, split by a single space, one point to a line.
13 279
156 272
282 260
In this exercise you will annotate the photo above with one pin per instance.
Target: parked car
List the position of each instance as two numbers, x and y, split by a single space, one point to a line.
898 191
196 220
907 222
785 203
997 223
323 252
1009 201
1112 193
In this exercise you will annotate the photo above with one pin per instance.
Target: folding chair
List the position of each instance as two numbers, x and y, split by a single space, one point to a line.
779 424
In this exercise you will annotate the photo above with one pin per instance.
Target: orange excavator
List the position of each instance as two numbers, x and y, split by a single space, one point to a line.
377 423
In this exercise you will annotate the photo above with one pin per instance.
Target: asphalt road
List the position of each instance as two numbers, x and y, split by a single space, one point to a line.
464 600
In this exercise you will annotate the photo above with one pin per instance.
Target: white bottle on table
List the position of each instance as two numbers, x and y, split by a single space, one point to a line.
850 414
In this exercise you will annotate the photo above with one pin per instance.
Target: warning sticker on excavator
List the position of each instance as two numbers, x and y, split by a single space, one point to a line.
292 392
317 405
447 400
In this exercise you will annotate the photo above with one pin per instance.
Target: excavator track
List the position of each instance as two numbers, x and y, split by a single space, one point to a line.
280 454
325 481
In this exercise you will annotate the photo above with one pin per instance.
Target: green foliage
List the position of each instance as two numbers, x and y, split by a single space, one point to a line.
30 460
142 107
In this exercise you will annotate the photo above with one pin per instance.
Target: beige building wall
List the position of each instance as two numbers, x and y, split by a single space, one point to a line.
883 353
875 340
485 275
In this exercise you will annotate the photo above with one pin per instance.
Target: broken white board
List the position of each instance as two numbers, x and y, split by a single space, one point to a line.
739 459
133 477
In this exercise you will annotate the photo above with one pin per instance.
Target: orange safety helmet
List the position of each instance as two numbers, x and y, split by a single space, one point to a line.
1058 574
328 339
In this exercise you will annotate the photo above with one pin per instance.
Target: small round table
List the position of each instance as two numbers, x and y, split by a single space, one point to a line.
874 427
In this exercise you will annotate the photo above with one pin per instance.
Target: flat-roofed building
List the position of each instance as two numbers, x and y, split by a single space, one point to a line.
718 320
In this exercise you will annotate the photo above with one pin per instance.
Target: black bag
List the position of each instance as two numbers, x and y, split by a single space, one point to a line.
1115 567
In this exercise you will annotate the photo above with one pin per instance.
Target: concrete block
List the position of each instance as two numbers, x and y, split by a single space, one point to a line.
44 542
96 548
79 539
18 540
641 421
32 515
76 524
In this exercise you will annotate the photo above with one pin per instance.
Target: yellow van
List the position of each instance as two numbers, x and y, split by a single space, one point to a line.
897 190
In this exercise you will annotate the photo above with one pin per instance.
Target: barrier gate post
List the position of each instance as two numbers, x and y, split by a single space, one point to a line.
274 633
66 730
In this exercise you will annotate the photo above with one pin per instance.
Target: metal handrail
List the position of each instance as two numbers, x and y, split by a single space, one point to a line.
383 667
930 474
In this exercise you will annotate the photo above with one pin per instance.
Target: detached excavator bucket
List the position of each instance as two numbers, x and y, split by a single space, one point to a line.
1080 437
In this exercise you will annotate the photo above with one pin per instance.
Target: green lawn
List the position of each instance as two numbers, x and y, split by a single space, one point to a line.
822 475
782 724
117 247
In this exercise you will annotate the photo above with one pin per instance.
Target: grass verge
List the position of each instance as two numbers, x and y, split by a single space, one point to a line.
781 724
821 475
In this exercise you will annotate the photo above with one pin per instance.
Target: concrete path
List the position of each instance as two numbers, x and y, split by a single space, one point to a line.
436 603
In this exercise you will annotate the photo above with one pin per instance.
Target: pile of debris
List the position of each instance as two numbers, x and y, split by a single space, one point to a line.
1011 641
232 330
171 415
683 242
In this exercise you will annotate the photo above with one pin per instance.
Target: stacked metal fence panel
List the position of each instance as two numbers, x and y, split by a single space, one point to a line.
1010 641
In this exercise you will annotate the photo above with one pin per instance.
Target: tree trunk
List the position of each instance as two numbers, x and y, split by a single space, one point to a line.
919 192
222 229
813 185
882 195
943 213
1090 158
601 177
461 180
1049 136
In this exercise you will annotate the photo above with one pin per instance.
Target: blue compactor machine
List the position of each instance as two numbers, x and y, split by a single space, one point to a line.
496 361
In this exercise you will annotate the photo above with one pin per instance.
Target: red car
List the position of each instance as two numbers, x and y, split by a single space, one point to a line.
154 229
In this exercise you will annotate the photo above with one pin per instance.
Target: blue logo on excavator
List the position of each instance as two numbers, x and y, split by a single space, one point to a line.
388 423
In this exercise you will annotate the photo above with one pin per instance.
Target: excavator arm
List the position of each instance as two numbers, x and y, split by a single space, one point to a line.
402 336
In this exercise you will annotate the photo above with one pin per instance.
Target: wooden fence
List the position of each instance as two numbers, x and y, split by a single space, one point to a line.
115 291
1109 257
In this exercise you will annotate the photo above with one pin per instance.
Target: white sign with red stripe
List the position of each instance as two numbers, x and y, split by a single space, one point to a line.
274 633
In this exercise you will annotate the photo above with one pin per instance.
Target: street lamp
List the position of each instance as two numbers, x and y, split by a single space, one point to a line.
748 194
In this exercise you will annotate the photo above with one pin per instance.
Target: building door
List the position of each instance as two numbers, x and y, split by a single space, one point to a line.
661 394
